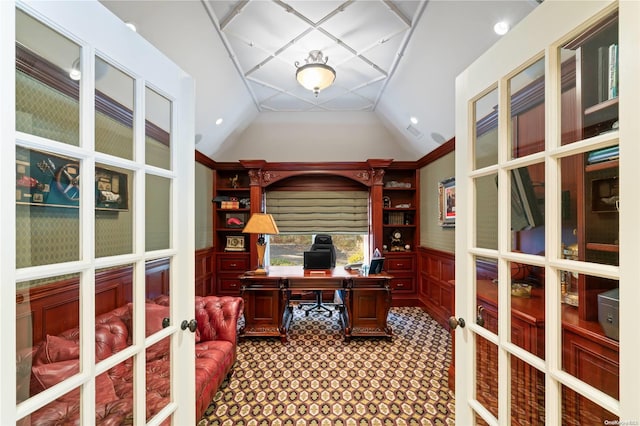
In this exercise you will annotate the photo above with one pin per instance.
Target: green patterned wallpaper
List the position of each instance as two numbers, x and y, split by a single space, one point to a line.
47 235
45 112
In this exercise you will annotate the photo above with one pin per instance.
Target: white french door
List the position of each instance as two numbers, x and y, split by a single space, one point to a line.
86 100
547 131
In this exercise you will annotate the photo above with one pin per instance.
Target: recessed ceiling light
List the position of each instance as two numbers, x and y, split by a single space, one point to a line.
414 120
501 28
219 121
132 26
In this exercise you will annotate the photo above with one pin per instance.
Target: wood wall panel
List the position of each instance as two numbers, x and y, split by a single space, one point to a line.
54 307
205 278
436 288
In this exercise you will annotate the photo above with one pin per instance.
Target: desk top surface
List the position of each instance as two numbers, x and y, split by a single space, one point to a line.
292 272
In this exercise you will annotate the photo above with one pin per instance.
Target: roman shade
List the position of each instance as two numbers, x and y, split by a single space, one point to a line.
312 212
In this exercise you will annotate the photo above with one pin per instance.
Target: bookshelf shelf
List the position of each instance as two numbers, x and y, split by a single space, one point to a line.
601 166
610 248
609 103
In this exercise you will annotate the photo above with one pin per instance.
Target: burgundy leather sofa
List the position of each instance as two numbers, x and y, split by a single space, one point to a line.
57 358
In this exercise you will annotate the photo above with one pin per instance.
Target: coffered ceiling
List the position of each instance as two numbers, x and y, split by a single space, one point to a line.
394 59
363 41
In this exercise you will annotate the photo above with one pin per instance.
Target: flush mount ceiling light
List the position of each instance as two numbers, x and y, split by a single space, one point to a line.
315 74
75 73
501 28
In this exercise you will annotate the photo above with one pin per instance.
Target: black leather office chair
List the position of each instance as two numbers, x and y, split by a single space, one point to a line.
321 242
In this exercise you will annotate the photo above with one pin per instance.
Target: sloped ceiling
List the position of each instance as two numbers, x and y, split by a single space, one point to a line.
393 60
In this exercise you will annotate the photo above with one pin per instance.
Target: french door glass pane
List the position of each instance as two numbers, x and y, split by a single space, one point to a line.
61 321
158 376
47 90
487 374
487 211
486 130
114 110
114 211
527 308
590 202
527 209
47 215
487 293
527 110
157 217
569 170
590 81
527 393
590 311
157 129
578 411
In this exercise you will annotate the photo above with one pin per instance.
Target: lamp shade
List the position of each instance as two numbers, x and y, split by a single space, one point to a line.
261 223
315 75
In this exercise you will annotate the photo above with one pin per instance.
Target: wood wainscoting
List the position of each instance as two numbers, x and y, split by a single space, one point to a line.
54 307
205 280
437 289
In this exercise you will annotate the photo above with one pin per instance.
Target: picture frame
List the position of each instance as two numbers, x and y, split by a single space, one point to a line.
47 180
111 190
51 180
376 266
447 202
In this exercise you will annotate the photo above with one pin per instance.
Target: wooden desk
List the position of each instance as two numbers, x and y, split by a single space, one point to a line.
268 311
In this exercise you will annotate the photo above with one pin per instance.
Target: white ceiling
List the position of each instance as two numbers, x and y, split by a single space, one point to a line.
394 59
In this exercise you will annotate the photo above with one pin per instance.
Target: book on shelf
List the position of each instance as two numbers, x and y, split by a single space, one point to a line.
396 218
604 154
612 85
603 73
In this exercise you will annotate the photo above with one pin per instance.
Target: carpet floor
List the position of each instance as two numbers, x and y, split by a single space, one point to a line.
318 379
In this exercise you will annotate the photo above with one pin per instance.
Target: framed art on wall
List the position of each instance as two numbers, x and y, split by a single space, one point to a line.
447 202
53 180
111 190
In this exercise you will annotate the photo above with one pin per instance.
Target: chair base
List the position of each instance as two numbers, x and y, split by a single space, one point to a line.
318 306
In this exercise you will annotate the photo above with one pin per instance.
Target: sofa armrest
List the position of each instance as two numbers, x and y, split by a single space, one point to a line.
218 316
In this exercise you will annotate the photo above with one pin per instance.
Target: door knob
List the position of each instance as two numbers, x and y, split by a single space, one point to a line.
191 325
166 322
454 323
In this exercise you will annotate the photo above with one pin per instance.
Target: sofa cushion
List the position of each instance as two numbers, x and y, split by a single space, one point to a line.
112 336
54 349
214 360
51 374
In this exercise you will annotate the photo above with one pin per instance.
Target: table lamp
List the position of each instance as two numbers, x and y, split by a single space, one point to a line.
261 224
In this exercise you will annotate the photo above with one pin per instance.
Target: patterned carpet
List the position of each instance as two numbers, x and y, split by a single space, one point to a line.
317 379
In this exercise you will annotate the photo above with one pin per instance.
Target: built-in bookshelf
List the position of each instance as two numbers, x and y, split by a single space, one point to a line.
597 64
400 212
230 213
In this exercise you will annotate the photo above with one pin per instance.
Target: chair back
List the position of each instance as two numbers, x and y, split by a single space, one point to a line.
324 242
